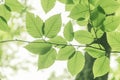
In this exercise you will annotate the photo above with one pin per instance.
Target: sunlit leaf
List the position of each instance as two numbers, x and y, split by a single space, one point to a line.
101 66
3 25
114 40
111 23
38 47
83 37
47 5
65 53
4 12
58 40
76 63
45 61
79 11
95 52
14 5
34 25
52 26
68 31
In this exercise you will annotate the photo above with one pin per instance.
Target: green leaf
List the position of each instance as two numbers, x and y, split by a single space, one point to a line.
95 53
58 40
65 53
101 66
34 25
83 37
109 6
114 40
52 26
79 11
66 1
111 23
76 63
3 25
98 33
47 60
68 32
4 12
47 5
76 1
14 5
69 7
97 16
38 47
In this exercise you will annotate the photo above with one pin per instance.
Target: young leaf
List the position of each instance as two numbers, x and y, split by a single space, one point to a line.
38 47
47 5
4 12
79 11
52 26
14 5
111 23
95 53
97 16
3 25
34 25
65 53
58 40
101 66
109 6
114 40
47 60
68 31
83 37
76 63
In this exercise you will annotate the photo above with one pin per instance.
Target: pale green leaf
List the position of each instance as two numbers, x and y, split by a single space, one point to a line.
95 52
79 11
14 5
58 40
4 12
101 66
47 5
52 26
98 32
34 25
76 63
111 23
114 40
65 53
38 47
68 32
109 6
83 37
3 25
69 7
47 60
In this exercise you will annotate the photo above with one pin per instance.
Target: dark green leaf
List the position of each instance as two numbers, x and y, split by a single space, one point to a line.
47 5
38 47
83 37
97 16
34 25
101 66
68 31
47 60
52 26
65 53
76 63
